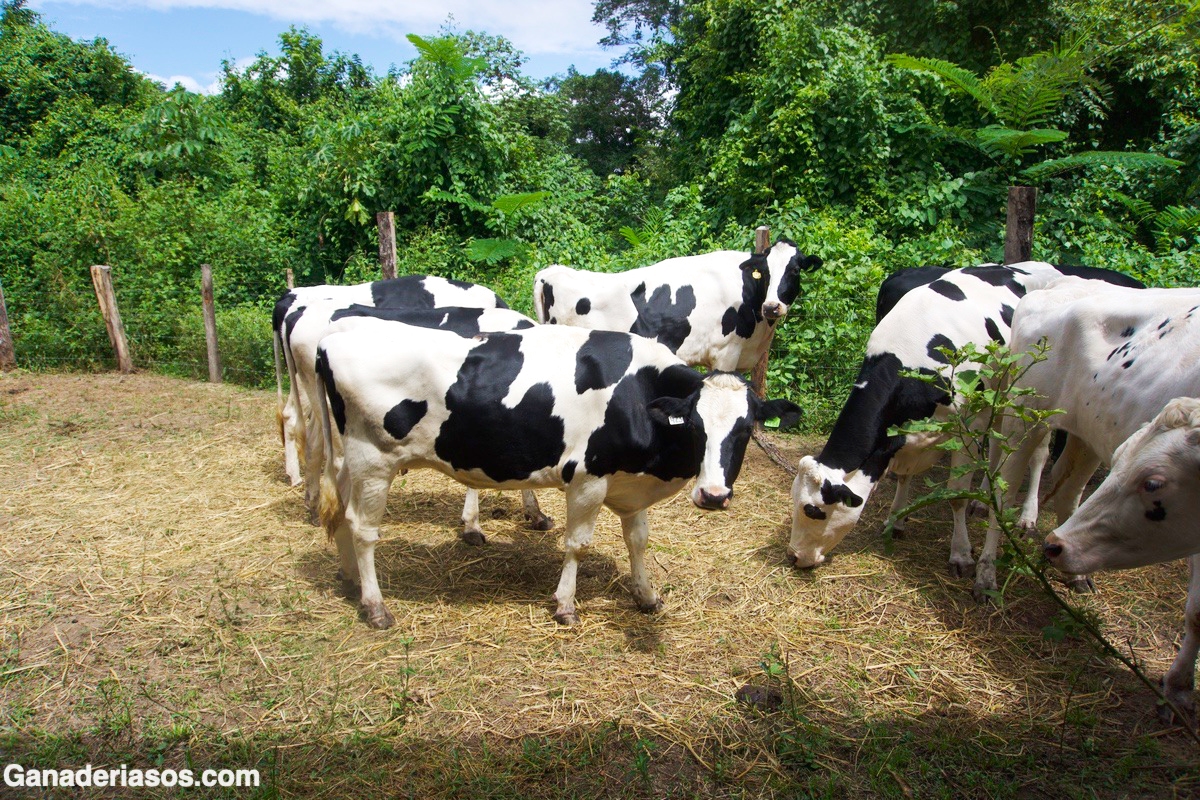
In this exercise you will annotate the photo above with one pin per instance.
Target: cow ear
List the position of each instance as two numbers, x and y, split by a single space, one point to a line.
811 263
786 411
672 412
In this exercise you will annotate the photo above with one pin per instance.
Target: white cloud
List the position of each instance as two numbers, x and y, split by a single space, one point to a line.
187 82
537 27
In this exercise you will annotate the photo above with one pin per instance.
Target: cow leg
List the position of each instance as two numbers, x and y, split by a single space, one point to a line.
961 563
636 530
583 505
287 420
314 464
1067 482
1180 681
903 488
348 572
364 512
1012 471
533 512
1037 464
472 534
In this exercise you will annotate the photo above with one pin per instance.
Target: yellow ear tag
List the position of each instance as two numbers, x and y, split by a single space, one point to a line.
757 275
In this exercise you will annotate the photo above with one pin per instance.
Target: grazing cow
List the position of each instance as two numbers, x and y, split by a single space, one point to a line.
611 418
1117 356
408 291
322 319
900 283
970 305
717 310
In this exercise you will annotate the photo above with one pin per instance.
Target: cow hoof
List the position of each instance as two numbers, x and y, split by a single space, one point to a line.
962 569
314 518
473 538
1082 584
540 523
378 617
651 608
567 618
896 531
1182 700
977 509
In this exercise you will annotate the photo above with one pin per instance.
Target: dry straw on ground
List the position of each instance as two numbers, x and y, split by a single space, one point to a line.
163 597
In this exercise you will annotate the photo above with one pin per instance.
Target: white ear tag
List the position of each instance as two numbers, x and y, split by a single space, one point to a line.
756 275
675 420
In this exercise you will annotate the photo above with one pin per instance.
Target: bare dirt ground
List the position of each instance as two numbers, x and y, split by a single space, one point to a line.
164 601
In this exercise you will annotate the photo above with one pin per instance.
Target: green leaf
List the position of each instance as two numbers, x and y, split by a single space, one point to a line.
492 251
509 203
1097 158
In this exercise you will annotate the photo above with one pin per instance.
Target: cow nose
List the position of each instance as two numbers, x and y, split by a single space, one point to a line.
714 500
773 310
1052 548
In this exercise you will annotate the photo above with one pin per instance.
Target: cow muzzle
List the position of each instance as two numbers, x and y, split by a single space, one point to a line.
774 311
712 500
1052 548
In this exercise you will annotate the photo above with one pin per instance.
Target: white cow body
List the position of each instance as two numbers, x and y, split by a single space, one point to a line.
1117 356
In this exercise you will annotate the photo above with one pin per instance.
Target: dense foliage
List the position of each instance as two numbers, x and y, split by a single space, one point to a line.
835 124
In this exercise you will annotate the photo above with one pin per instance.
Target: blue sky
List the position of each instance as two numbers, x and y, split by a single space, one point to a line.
185 40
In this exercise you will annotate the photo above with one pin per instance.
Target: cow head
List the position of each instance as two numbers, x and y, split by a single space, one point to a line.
780 269
719 416
1145 510
826 505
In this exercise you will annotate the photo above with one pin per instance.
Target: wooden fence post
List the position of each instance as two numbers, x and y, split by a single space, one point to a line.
291 278
210 323
102 281
758 377
8 357
1018 234
386 220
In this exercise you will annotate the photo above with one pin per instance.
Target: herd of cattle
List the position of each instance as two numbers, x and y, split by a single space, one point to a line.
602 398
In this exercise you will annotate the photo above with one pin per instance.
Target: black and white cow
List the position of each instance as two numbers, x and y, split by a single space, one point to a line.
408 291
613 419
900 283
969 305
716 310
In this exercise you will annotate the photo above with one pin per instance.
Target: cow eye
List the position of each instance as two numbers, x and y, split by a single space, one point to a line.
1151 485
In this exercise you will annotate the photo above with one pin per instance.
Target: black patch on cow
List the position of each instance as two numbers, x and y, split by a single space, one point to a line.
661 318
901 283
1112 353
407 291
1100 274
743 319
1006 315
1158 513
282 305
1128 364
937 341
789 282
289 322
583 306
839 493
568 471
993 330
1164 324
948 290
463 321
337 405
602 360
1125 334
630 441
547 298
483 433
403 417
859 440
524 325
1002 277
814 512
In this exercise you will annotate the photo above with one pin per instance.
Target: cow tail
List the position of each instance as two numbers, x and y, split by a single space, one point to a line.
539 306
276 344
293 399
331 510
